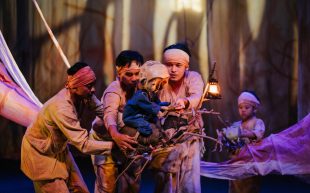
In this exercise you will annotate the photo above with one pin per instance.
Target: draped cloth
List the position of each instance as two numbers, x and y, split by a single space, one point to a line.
10 64
285 153
17 101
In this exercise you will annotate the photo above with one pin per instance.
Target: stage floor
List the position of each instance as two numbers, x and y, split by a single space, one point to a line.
12 180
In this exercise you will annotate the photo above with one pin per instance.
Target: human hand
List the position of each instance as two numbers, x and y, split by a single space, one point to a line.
247 133
181 103
124 142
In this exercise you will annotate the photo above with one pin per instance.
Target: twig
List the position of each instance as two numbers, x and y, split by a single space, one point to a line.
137 157
203 136
141 170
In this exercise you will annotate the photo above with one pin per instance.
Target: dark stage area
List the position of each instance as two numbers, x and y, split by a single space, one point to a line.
12 180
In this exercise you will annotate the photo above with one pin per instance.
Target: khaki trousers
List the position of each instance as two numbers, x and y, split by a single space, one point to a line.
107 173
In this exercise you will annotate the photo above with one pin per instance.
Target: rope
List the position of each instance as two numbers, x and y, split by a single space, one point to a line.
10 64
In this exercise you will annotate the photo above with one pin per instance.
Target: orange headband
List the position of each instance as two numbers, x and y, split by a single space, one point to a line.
246 97
128 67
82 77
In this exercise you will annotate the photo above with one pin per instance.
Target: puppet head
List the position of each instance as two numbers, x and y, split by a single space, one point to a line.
153 76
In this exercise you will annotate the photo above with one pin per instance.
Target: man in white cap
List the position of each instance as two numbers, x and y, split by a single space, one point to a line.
251 130
178 168
45 157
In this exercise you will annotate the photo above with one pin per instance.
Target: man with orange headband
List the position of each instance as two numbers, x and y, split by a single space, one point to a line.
114 98
45 157
178 168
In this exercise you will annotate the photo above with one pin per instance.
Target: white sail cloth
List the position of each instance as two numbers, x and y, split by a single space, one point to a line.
17 101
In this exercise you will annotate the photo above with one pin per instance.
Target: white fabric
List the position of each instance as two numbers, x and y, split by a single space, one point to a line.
285 153
246 97
177 56
11 66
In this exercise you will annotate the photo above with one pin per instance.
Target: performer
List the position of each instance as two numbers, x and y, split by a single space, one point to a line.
249 130
45 157
178 168
145 107
114 98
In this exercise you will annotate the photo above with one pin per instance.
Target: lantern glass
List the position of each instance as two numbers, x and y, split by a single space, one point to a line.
213 90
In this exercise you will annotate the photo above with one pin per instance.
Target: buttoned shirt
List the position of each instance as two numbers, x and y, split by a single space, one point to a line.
44 147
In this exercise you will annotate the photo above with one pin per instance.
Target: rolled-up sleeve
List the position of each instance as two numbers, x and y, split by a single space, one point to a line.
195 89
66 120
259 129
111 105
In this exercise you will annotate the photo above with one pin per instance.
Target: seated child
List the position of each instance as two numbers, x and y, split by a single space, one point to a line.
250 128
145 107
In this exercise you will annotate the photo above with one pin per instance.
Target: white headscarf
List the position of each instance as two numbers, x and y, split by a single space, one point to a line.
247 97
176 55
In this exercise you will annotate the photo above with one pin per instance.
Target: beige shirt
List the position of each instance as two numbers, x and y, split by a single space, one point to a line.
191 89
44 153
113 100
183 158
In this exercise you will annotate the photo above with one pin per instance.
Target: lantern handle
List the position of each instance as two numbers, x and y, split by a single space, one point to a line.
212 71
206 87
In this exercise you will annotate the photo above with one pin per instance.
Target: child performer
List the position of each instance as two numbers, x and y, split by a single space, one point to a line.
249 130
